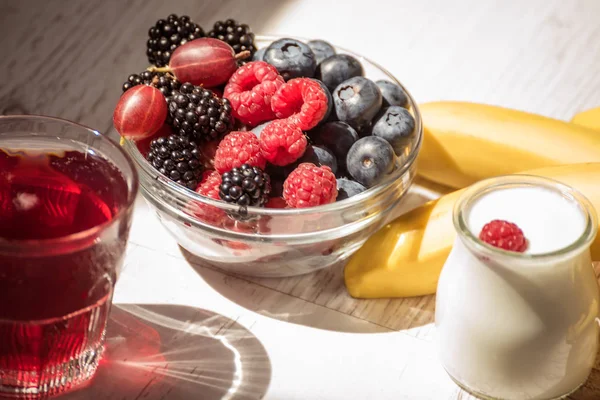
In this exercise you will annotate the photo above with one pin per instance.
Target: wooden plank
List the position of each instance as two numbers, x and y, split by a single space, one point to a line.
70 58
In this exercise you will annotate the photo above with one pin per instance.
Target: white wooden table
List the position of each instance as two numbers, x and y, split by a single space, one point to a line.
225 336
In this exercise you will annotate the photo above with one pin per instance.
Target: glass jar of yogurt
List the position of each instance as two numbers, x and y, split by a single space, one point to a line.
520 325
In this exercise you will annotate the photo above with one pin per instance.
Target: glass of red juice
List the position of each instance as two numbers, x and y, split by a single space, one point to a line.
66 200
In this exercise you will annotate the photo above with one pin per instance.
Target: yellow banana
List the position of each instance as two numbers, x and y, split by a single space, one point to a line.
466 142
589 119
433 186
405 257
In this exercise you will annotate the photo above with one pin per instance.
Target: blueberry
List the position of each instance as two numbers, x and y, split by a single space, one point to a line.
259 55
317 155
396 125
369 160
277 176
276 186
293 59
336 137
322 49
257 130
329 100
393 95
347 188
337 69
357 101
275 171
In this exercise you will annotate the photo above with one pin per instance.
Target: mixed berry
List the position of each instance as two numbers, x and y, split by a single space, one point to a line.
289 125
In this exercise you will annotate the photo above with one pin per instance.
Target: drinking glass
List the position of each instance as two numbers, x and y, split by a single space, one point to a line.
66 200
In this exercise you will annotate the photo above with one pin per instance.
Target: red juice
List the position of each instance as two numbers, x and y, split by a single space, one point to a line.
54 306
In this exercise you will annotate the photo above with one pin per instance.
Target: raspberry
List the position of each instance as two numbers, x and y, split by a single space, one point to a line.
232 244
303 101
504 235
236 149
206 213
249 91
251 226
209 187
282 143
310 186
276 202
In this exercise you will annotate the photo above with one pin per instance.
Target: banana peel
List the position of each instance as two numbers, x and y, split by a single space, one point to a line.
464 143
588 119
406 256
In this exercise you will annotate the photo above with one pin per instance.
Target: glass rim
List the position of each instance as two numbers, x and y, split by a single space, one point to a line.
148 172
475 191
82 238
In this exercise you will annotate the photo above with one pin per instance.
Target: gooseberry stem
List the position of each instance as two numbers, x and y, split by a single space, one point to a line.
159 69
243 55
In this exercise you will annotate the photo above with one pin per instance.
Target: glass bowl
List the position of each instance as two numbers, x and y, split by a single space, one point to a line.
265 242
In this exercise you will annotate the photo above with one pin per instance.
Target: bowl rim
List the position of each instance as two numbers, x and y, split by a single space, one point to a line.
349 203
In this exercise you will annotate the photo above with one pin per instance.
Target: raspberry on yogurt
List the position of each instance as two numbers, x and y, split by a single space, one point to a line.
504 235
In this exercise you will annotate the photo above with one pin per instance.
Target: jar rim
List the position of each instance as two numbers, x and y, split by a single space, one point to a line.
477 190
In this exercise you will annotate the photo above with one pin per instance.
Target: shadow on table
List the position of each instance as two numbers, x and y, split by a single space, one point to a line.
317 300
156 352
320 299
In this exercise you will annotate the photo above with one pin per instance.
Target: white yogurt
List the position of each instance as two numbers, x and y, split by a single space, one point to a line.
512 327
548 220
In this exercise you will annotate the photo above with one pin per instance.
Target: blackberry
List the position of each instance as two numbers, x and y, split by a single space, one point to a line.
245 186
238 36
199 113
167 35
165 82
177 158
